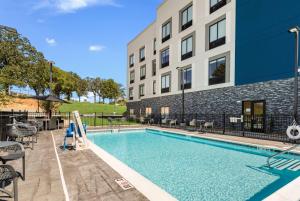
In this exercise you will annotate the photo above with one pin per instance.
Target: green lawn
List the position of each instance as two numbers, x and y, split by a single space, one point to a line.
90 108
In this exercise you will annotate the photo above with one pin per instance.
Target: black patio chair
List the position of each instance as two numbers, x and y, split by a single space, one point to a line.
8 175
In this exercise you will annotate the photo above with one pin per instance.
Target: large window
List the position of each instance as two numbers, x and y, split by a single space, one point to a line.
143 72
185 77
154 87
216 4
153 67
142 54
217 71
154 46
132 75
166 31
164 58
165 111
131 60
148 111
217 34
165 83
187 18
130 93
187 48
141 90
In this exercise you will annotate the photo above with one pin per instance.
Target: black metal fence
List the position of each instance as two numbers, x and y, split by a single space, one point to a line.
270 127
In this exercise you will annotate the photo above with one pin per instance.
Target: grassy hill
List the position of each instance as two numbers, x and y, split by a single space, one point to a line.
89 108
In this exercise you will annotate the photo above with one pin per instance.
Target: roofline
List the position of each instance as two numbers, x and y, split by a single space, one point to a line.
158 7
145 29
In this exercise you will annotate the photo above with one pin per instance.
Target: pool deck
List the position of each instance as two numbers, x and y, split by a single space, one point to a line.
84 175
87 177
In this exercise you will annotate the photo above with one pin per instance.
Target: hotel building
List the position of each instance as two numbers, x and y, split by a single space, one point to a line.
235 56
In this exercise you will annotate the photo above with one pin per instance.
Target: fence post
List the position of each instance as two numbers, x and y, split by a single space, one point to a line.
224 122
102 120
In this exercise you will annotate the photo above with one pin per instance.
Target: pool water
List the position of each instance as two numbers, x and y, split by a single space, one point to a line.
191 168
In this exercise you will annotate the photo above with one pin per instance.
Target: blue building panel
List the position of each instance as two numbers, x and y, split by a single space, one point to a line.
264 47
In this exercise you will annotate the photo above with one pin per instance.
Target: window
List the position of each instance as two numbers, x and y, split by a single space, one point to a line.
143 73
154 46
216 4
186 76
187 48
153 67
217 34
187 18
130 93
165 83
154 87
131 60
142 54
141 90
131 112
132 77
217 71
165 58
148 111
166 31
165 111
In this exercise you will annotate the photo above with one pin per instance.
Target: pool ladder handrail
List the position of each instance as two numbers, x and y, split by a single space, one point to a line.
281 153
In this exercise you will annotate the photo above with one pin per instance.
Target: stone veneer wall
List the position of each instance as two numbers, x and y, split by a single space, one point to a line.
278 95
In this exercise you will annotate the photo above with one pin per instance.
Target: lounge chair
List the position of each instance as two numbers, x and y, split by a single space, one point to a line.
28 126
142 120
10 151
164 121
19 133
8 175
173 122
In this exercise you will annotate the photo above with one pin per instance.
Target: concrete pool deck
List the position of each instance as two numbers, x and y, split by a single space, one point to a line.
88 177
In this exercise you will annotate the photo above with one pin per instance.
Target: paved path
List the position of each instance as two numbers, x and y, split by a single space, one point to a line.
90 178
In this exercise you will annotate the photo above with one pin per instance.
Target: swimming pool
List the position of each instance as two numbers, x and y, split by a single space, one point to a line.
191 168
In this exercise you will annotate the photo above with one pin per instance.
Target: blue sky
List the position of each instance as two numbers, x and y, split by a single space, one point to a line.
88 37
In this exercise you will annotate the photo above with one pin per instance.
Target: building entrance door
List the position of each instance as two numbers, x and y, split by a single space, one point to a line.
254 116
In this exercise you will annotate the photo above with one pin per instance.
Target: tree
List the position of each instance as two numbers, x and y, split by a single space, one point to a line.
92 87
110 90
81 87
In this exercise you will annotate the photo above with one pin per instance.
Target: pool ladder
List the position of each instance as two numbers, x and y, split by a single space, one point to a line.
281 153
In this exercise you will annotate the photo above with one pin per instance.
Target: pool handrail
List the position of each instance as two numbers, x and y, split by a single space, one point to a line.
281 153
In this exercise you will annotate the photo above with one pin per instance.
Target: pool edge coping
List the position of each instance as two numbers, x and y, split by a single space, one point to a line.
287 192
150 190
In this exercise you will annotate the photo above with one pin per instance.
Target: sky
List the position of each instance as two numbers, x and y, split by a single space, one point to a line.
88 37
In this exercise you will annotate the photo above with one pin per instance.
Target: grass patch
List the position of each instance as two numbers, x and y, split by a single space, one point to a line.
90 108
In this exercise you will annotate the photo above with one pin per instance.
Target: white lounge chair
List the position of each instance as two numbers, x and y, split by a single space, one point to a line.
193 123
209 125
173 122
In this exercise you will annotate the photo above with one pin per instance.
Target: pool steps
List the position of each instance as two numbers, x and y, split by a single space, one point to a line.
286 164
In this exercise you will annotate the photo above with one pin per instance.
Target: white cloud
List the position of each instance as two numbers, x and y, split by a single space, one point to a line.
69 6
96 48
51 41
40 21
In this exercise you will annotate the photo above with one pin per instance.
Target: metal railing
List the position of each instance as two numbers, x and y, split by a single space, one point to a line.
281 153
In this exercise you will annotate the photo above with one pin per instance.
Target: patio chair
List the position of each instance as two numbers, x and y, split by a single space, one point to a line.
18 133
164 121
8 175
10 151
209 125
142 120
28 126
173 122
193 123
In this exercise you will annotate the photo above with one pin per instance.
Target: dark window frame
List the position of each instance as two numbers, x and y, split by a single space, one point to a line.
188 23
142 58
131 64
154 67
154 46
142 77
132 80
219 41
217 6
129 94
167 63
140 87
187 85
190 54
167 37
154 87
216 81
166 89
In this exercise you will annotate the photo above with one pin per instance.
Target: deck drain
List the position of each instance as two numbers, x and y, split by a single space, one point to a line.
124 184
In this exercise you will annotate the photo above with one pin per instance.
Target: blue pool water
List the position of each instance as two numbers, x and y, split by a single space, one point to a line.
197 169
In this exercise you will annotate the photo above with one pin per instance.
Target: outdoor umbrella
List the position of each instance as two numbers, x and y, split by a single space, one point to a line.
49 98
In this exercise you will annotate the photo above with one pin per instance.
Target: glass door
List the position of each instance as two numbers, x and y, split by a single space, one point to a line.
254 116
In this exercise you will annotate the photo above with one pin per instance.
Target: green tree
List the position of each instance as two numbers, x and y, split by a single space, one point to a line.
81 87
92 87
